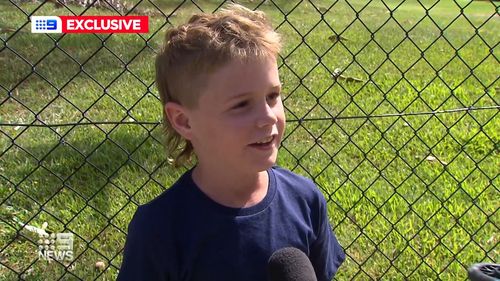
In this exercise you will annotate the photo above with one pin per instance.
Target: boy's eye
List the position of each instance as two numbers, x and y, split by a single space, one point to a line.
273 96
240 104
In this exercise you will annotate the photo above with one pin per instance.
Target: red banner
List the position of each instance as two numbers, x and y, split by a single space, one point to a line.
105 24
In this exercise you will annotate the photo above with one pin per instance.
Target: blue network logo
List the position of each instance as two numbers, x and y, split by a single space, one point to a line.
45 25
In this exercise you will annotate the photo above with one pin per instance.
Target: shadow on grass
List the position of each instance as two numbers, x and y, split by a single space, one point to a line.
88 184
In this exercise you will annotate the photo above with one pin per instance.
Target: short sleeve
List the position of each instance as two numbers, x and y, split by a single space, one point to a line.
141 258
326 253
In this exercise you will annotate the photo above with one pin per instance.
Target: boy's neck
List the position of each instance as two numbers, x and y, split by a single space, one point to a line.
231 189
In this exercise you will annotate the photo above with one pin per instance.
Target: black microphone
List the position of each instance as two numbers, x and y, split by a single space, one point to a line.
290 264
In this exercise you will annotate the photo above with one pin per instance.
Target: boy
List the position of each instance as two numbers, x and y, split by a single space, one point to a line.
218 80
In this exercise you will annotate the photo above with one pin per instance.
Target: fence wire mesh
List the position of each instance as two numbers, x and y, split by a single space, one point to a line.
392 110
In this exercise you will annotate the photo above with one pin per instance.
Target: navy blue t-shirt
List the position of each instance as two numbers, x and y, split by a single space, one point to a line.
184 235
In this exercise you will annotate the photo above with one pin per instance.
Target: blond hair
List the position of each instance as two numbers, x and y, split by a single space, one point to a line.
193 50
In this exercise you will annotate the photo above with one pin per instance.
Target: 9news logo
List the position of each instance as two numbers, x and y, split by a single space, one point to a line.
46 24
89 24
58 246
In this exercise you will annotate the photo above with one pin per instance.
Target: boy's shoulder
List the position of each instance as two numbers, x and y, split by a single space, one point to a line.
153 221
171 196
296 184
291 177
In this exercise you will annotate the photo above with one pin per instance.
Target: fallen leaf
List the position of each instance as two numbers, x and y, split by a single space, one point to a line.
491 240
335 38
338 76
100 265
433 159
430 158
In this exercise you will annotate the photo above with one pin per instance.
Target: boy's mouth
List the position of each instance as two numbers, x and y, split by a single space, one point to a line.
264 143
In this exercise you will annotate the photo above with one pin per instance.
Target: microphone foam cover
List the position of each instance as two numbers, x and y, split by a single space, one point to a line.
290 264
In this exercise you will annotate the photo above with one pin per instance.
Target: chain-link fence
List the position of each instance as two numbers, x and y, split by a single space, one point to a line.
392 110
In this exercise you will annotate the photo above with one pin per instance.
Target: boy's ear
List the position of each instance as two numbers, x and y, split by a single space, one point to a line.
179 119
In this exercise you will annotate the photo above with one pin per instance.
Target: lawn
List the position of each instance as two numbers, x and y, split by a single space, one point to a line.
410 174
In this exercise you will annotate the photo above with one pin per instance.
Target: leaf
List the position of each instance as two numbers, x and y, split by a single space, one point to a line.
335 38
337 75
31 228
432 158
349 78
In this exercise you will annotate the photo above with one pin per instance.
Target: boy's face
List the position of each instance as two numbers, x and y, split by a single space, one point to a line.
239 120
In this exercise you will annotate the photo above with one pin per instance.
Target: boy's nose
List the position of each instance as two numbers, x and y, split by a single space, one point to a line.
266 117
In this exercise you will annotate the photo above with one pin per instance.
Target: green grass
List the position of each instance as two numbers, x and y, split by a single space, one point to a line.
399 213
